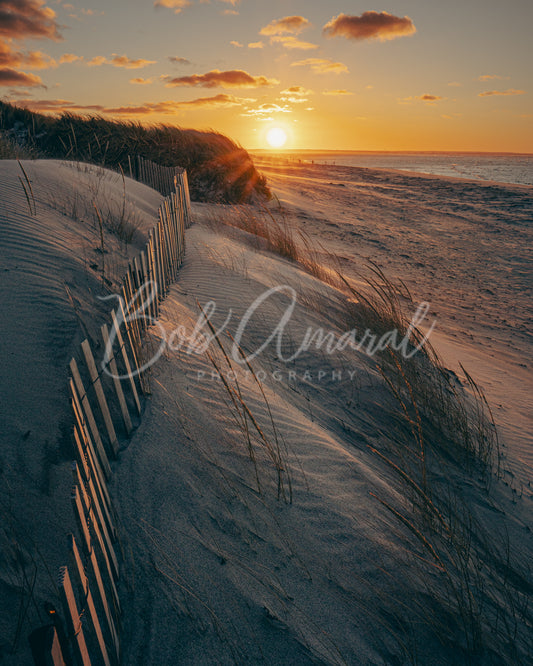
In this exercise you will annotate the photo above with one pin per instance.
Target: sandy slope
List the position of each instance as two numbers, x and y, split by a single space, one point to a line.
220 567
50 277
222 571
462 245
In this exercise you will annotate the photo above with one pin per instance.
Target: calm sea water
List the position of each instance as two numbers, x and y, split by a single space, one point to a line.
504 168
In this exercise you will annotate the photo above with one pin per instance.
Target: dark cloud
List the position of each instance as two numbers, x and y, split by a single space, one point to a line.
20 19
289 24
430 98
235 78
370 25
179 61
11 77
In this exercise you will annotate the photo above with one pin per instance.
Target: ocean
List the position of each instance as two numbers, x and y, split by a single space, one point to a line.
500 167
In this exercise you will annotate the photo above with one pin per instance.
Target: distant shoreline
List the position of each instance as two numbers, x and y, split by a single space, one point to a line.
505 168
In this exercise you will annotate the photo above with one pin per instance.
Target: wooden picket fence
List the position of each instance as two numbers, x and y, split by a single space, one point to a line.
161 178
106 402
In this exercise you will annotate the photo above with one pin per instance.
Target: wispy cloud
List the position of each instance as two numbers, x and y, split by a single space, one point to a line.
235 78
291 42
288 25
266 109
236 44
97 61
168 107
337 93
177 5
140 81
256 45
491 77
295 95
120 61
31 60
179 61
502 93
68 58
322 65
430 98
370 25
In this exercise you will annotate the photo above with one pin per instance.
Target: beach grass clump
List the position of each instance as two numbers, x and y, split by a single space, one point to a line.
444 454
218 169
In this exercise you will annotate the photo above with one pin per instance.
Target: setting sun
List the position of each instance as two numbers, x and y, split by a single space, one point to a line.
276 137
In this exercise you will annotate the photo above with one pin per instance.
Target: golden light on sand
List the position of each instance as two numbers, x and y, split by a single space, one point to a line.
276 137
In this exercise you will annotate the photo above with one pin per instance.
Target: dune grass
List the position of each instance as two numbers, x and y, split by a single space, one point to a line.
444 455
218 169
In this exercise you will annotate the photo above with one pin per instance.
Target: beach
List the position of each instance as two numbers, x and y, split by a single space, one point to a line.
277 502
461 245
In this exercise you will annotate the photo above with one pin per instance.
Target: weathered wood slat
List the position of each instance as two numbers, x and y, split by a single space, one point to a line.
102 402
83 583
72 618
116 381
89 418
90 474
109 558
126 361
93 563
94 509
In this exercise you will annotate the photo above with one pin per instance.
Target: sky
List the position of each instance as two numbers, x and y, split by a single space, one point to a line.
416 75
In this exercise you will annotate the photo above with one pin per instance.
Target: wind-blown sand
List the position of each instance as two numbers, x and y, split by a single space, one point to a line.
219 566
50 277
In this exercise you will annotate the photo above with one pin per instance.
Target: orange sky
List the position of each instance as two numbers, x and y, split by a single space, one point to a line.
419 75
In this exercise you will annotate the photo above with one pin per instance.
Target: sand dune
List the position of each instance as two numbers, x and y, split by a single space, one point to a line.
252 529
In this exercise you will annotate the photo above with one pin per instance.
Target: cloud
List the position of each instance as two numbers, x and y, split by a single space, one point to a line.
168 107
179 61
265 110
296 90
237 44
295 95
429 99
68 58
176 5
256 45
370 25
503 93
230 12
20 19
290 42
97 61
455 84
56 105
289 24
322 65
11 77
337 92
128 63
491 77
235 78
140 81
32 60
120 61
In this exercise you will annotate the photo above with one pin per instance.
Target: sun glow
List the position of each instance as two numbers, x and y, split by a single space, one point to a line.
276 137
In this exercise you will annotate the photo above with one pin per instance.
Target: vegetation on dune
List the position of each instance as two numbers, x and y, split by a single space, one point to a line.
218 169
